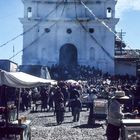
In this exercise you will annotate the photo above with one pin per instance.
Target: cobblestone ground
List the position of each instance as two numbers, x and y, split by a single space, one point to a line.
44 127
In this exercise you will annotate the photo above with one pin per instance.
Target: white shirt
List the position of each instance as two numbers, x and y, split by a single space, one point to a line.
115 114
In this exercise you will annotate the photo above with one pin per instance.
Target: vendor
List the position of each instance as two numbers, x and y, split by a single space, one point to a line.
115 115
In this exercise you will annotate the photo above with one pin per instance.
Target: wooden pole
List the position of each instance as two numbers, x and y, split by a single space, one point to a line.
6 105
18 103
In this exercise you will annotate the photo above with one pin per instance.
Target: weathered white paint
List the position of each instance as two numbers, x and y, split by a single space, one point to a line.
43 48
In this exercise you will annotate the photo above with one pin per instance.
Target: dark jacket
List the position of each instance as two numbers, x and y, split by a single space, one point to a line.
59 100
76 103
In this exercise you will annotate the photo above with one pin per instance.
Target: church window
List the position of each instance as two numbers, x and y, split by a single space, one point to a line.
69 31
47 30
109 12
29 12
91 30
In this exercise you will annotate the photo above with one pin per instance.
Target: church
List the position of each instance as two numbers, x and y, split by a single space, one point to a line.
69 32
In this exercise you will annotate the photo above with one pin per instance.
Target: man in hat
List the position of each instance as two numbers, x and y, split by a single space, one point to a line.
115 115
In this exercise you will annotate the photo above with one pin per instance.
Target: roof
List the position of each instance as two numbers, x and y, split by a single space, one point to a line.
22 80
131 55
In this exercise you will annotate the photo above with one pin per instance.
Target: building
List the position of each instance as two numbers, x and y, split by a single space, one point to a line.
67 33
126 62
8 65
36 70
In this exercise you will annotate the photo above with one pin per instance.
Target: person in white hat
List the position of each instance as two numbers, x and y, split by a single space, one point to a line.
115 115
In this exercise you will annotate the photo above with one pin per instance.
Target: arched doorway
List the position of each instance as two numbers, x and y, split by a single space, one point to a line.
68 55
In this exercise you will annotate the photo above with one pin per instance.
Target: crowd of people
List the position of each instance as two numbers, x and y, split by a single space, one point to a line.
86 80
78 72
69 93
54 98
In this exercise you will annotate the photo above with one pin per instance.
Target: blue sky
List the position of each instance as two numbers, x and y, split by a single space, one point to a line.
11 10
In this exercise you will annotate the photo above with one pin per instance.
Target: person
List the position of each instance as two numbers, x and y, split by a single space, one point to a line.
51 99
91 96
74 93
59 105
77 106
115 115
44 98
24 100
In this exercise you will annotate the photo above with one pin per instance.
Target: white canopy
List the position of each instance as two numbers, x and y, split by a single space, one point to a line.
22 80
71 81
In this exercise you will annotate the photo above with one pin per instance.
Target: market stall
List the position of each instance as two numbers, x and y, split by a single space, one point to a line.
22 80
18 80
20 131
130 129
98 110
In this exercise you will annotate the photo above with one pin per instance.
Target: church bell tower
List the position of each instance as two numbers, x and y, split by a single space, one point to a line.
69 32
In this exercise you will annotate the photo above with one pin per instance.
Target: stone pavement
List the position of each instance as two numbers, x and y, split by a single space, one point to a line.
44 127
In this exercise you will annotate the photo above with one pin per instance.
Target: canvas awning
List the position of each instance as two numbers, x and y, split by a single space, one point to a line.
22 80
71 81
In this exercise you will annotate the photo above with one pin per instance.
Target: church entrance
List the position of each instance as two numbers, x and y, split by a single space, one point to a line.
68 55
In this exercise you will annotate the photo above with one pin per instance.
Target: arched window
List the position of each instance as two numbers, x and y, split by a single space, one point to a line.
109 12
29 12
92 54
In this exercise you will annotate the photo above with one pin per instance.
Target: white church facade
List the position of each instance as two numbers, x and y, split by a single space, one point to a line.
65 32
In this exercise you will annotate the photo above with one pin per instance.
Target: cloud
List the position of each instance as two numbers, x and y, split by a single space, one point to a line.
125 5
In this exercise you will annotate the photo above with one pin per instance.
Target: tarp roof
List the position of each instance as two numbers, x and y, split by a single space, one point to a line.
22 80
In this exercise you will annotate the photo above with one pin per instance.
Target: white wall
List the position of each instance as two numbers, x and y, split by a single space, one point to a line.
43 48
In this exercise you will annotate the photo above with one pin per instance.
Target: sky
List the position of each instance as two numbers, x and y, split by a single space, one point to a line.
10 27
